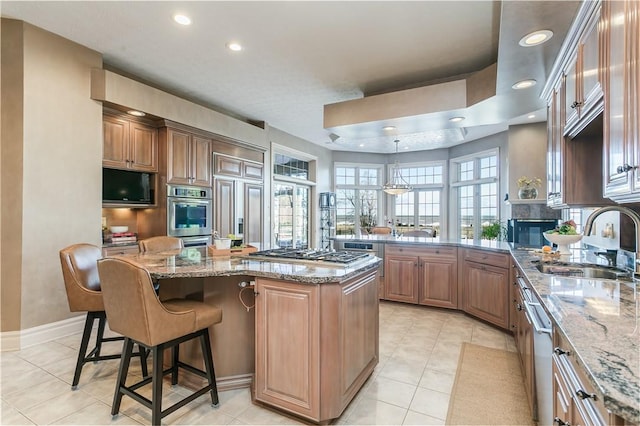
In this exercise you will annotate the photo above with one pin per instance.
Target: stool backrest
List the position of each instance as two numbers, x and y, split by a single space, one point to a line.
380 230
81 279
420 233
162 243
132 306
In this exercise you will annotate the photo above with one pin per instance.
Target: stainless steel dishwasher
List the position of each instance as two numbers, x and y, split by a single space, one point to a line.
542 350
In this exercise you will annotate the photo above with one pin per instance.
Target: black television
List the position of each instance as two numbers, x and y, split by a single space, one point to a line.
127 187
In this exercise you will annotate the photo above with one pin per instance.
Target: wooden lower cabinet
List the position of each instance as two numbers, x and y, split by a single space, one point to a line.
576 401
485 287
426 276
315 344
524 341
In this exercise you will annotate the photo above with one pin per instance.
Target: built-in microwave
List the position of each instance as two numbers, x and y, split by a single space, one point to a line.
529 232
189 211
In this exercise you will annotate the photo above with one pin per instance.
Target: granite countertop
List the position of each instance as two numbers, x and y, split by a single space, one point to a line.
390 239
194 262
600 319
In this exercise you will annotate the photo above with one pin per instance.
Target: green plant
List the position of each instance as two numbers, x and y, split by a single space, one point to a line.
494 231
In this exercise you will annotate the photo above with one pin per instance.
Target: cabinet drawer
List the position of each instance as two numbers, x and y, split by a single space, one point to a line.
422 251
487 258
124 249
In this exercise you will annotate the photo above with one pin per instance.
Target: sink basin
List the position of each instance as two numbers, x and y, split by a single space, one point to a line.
578 270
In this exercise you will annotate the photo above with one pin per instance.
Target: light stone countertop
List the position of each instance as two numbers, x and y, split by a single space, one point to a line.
193 263
600 319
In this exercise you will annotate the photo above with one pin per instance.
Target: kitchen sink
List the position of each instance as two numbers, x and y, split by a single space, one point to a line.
579 270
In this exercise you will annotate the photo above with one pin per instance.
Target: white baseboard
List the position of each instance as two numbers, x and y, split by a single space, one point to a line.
16 340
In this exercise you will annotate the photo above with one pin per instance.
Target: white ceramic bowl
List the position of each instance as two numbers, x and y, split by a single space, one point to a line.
563 241
118 229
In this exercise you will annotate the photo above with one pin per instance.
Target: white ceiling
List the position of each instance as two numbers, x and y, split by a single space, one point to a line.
302 55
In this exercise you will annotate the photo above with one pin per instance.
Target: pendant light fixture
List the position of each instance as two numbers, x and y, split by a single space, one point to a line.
397 185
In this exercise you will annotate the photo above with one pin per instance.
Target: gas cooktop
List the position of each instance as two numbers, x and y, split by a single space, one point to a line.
344 257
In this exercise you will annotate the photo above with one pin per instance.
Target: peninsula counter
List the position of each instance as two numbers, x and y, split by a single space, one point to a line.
311 341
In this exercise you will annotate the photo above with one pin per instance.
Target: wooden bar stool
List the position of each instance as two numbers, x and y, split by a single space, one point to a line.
82 283
134 310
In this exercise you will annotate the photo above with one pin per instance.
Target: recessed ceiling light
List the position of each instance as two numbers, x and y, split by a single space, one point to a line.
182 19
235 46
456 119
389 128
524 84
136 113
531 116
535 38
406 147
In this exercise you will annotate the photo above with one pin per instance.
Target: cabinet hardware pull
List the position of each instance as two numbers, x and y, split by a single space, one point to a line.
255 293
519 307
560 422
625 168
559 351
584 395
576 104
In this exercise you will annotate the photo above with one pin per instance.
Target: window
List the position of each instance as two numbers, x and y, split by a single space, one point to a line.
292 183
357 198
422 207
475 187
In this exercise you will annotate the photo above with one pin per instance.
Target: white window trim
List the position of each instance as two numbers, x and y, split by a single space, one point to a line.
454 184
442 163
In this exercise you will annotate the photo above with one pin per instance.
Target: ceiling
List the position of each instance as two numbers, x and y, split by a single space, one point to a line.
302 55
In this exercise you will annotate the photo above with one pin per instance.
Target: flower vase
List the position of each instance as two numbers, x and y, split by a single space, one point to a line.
527 193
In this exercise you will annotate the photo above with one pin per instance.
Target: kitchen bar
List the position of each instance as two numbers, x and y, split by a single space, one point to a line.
322 318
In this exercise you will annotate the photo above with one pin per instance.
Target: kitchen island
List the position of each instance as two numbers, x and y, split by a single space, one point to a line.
598 320
311 341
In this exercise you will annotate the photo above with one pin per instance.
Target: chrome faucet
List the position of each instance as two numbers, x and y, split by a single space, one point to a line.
635 217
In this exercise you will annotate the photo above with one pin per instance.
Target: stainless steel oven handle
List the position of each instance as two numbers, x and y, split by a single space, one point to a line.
534 318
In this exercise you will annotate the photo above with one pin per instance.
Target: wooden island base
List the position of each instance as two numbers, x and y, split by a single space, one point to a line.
309 348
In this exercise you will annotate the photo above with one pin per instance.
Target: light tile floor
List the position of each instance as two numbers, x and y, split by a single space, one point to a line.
419 349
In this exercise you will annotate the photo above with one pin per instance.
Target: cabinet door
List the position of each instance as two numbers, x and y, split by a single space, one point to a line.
571 92
201 161
622 115
225 206
486 290
554 149
401 278
590 72
287 346
143 147
253 170
526 352
228 166
253 217
178 159
115 147
438 282
561 396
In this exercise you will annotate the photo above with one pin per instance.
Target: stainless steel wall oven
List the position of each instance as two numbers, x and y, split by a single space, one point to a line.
189 212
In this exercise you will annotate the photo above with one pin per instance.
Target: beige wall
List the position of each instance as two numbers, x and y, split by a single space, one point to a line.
52 159
527 156
56 182
11 166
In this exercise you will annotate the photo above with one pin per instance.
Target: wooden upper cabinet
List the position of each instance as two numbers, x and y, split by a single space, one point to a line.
555 143
188 158
583 77
622 108
231 166
129 145
227 166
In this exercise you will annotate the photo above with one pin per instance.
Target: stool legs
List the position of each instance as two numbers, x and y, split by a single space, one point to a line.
158 373
127 348
208 363
94 354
